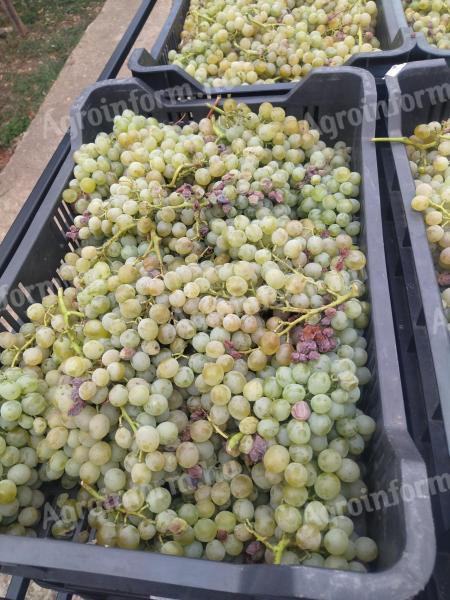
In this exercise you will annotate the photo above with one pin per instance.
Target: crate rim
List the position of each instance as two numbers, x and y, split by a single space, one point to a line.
247 580
425 46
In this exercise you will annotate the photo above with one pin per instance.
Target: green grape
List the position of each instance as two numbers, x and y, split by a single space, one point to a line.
159 500
288 518
8 491
366 549
336 542
215 550
205 530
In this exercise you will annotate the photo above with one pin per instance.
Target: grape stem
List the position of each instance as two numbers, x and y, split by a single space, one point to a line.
66 316
182 205
21 350
280 548
205 251
248 52
277 550
48 313
115 237
315 311
258 537
181 119
155 244
128 419
90 490
217 428
407 142
289 309
202 16
439 208
215 109
178 170
146 253
213 106
264 25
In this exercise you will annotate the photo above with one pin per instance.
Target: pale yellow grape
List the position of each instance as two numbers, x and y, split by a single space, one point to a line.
147 438
213 374
276 459
187 455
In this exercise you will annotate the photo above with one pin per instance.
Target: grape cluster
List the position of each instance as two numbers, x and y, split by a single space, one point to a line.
200 373
29 457
229 43
429 152
21 449
432 18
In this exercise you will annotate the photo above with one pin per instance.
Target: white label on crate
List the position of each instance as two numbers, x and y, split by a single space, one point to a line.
395 70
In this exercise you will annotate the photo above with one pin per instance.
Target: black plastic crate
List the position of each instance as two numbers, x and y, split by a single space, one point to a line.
427 84
439 586
403 529
413 285
414 352
416 359
153 66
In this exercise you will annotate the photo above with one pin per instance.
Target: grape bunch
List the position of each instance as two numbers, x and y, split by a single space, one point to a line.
29 453
432 18
198 378
429 151
229 43
22 403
